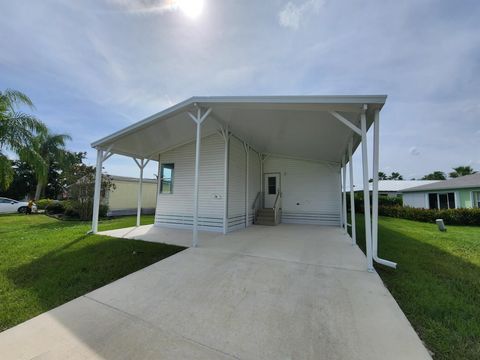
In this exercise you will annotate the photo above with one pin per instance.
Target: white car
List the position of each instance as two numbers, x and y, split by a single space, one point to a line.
12 206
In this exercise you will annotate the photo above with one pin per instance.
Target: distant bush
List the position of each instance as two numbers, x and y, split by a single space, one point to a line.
449 216
83 210
55 207
382 201
43 203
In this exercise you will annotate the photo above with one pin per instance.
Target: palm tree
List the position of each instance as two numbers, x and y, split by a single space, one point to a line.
45 148
16 130
461 171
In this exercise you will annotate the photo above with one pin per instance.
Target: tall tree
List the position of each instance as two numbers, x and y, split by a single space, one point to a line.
16 130
45 149
461 171
436 175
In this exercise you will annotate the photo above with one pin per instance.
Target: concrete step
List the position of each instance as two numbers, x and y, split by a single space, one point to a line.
269 222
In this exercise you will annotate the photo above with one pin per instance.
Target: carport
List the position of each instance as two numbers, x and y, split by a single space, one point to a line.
317 128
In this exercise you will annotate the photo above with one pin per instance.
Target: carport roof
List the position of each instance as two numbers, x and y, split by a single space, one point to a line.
296 126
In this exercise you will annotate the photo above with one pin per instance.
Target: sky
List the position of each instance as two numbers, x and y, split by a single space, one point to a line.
95 66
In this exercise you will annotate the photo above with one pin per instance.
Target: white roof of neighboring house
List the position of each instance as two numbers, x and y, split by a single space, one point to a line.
462 182
397 185
306 127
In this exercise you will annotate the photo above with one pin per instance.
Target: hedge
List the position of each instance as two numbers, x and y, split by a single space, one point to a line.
449 216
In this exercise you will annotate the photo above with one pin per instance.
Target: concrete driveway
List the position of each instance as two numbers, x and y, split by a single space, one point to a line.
284 292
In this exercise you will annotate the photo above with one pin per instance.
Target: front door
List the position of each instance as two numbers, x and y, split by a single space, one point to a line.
271 188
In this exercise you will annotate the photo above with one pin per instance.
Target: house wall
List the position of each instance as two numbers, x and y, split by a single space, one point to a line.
255 180
465 197
123 199
416 200
176 209
310 190
236 184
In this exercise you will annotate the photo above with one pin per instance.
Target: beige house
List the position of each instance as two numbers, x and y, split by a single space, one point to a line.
122 200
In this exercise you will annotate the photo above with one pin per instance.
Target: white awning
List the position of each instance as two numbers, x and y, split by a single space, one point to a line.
295 126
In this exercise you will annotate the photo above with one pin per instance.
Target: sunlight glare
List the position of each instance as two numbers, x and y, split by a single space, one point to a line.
191 8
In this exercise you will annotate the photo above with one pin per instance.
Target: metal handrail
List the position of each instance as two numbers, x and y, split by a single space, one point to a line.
255 201
275 210
276 199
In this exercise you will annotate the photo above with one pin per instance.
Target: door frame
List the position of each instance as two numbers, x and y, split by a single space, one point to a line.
279 185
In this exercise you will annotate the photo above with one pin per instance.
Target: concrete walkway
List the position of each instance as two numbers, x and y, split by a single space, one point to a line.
285 292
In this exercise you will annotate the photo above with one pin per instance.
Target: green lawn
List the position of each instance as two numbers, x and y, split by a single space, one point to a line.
46 262
437 283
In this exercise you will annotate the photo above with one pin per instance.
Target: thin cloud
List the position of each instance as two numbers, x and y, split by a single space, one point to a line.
414 151
292 15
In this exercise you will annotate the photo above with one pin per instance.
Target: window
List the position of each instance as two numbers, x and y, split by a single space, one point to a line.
272 185
166 178
441 200
476 199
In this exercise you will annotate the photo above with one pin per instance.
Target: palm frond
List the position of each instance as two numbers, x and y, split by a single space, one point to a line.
14 98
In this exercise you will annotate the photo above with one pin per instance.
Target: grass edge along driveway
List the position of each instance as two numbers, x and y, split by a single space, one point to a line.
46 262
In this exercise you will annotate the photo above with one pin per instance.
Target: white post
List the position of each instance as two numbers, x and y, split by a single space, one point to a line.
344 188
366 192
140 192
247 153
352 194
196 185
97 189
198 121
376 158
341 203
226 137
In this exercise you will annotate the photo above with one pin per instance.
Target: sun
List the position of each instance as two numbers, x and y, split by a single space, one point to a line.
191 8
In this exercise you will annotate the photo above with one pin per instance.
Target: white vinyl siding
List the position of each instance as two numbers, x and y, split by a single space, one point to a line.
254 181
236 185
310 190
176 209
416 200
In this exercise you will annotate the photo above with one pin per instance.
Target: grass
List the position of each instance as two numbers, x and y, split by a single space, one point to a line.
437 283
45 262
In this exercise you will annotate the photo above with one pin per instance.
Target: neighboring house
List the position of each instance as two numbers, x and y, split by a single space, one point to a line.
122 200
461 192
226 163
393 188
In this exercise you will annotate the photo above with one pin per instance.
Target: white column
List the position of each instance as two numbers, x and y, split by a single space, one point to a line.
352 194
140 192
344 191
247 157
196 185
366 192
226 137
341 203
97 190
376 158
198 120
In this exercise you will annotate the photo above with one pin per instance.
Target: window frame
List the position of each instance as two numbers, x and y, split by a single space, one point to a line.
164 166
448 198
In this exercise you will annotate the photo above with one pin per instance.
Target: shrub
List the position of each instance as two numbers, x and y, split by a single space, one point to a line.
83 209
43 203
55 207
449 216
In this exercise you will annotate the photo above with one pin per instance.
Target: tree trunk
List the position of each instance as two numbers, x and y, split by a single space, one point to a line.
38 191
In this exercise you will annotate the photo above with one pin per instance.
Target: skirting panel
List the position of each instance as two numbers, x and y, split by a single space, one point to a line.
236 222
186 221
122 212
315 218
